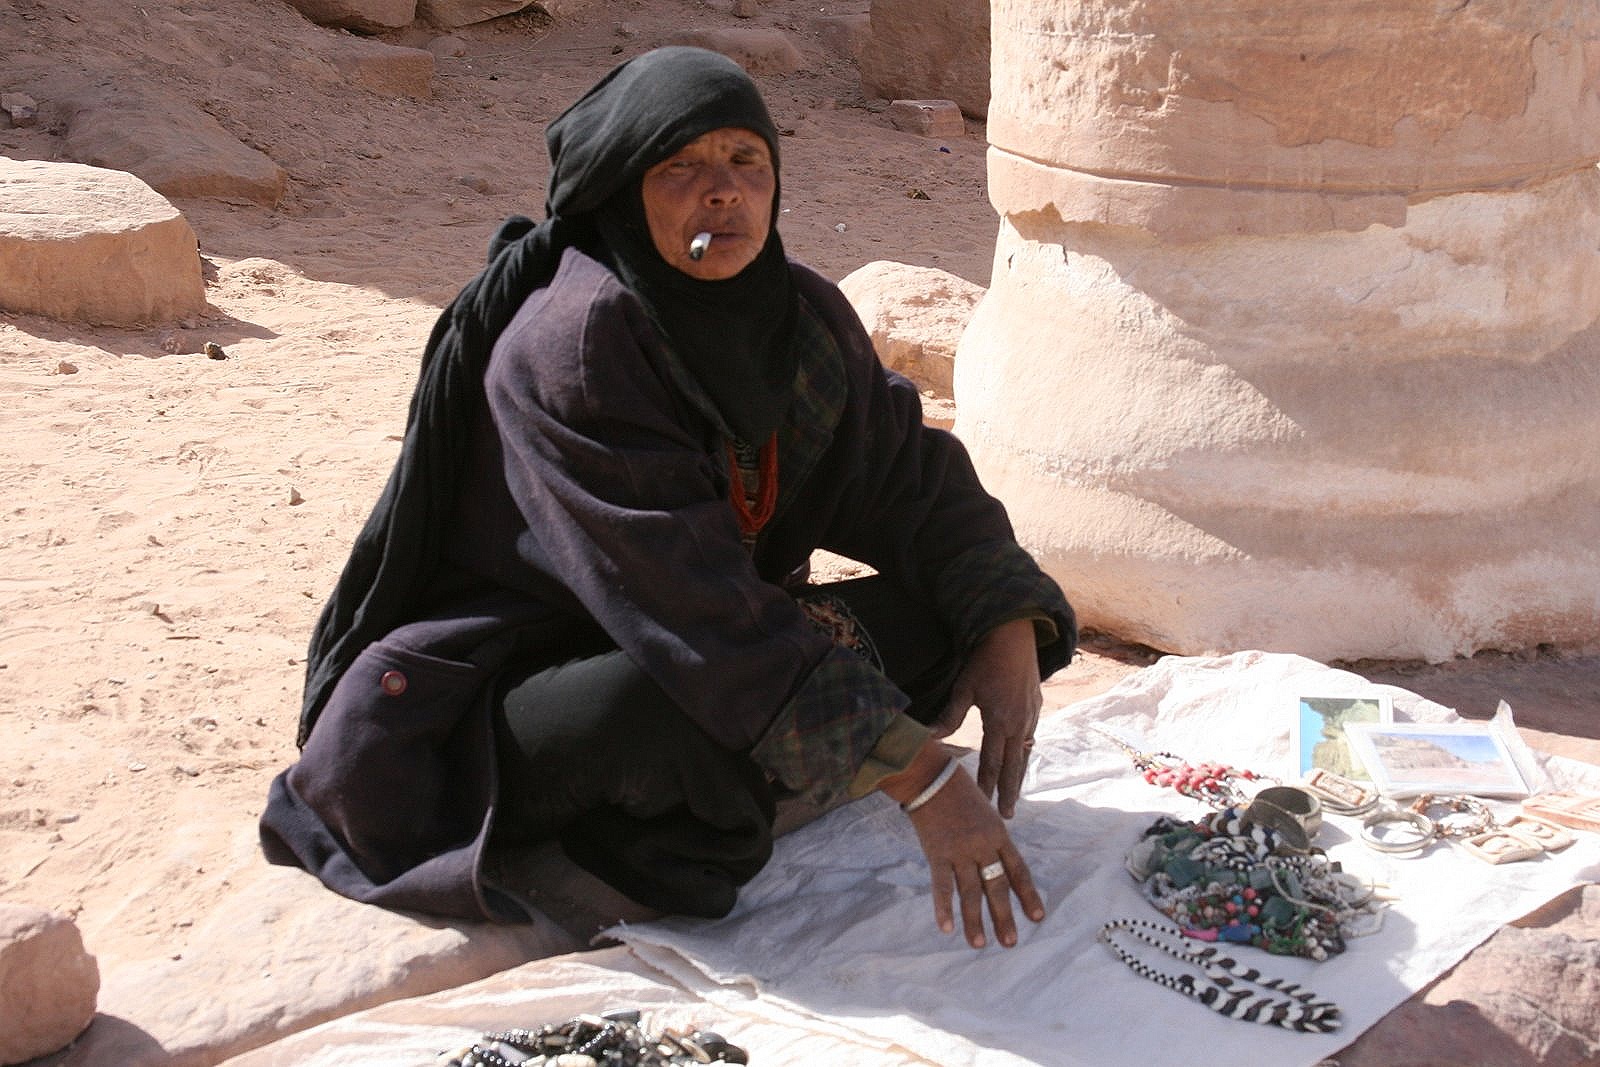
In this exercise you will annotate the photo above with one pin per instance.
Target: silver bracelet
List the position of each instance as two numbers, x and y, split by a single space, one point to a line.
1424 826
931 788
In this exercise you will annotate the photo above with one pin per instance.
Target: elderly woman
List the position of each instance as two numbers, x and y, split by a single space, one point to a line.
575 644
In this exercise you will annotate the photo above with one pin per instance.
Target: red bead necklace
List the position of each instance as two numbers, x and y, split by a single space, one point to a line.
753 505
1216 784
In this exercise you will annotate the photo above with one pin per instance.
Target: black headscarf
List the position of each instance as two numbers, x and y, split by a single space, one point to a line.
734 336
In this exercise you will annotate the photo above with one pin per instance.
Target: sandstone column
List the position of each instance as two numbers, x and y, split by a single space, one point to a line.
1292 336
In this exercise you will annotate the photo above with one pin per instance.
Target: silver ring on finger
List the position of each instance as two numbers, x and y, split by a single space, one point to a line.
992 871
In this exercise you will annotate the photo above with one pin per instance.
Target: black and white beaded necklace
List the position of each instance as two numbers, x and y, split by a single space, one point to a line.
1222 984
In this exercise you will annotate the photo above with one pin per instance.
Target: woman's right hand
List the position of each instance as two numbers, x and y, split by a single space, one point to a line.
961 834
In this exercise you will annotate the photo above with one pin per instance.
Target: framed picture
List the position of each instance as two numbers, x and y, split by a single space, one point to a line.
1317 737
1419 757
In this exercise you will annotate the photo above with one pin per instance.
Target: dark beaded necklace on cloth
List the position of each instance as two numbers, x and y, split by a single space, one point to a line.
615 1039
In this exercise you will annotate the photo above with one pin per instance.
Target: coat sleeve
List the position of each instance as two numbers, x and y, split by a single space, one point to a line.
916 511
622 490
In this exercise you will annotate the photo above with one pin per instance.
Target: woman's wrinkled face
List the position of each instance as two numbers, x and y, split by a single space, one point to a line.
721 183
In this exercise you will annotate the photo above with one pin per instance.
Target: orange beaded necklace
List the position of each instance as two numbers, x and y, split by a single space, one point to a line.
753 489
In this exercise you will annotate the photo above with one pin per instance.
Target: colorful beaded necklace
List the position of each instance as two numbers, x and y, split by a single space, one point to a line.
1223 878
1216 784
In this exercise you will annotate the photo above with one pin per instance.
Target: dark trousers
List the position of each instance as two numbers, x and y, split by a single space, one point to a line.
594 755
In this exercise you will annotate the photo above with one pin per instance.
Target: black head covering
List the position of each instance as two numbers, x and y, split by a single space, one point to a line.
639 114
735 335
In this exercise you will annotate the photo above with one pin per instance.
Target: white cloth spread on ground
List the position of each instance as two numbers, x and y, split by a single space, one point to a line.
832 955
839 927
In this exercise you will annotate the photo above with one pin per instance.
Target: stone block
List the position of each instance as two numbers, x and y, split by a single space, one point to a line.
758 49
176 148
100 246
930 118
385 69
48 983
279 954
367 16
1335 444
937 49
21 108
843 35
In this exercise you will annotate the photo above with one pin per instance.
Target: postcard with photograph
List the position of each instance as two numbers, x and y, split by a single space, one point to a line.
1417 757
1317 737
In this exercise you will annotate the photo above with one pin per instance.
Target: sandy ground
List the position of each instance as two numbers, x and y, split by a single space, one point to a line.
171 523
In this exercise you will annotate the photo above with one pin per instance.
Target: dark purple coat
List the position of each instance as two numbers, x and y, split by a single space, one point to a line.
597 492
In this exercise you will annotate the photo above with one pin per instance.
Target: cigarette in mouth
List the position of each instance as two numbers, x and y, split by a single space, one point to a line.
698 246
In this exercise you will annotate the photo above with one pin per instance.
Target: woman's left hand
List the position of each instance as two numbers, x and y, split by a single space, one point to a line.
1000 679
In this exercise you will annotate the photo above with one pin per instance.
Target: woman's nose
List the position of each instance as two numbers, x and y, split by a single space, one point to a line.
720 186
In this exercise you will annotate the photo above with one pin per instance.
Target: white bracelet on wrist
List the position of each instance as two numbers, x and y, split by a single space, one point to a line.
931 788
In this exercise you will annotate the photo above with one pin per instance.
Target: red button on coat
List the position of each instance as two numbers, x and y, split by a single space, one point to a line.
393 683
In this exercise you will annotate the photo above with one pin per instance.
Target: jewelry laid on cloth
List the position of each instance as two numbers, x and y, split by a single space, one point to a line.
1454 815
931 788
989 872
1338 794
1580 811
1465 819
614 1039
1295 813
1417 833
1217 784
1502 845
1548 835
1522 838
1222 986
1226 878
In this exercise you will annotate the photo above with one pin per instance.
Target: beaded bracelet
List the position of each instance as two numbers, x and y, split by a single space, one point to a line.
1464 816
931 788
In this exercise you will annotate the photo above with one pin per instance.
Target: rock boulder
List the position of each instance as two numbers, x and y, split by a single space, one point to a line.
48 983
758 49
92 245
175 147
915 316
1530 995
281 954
